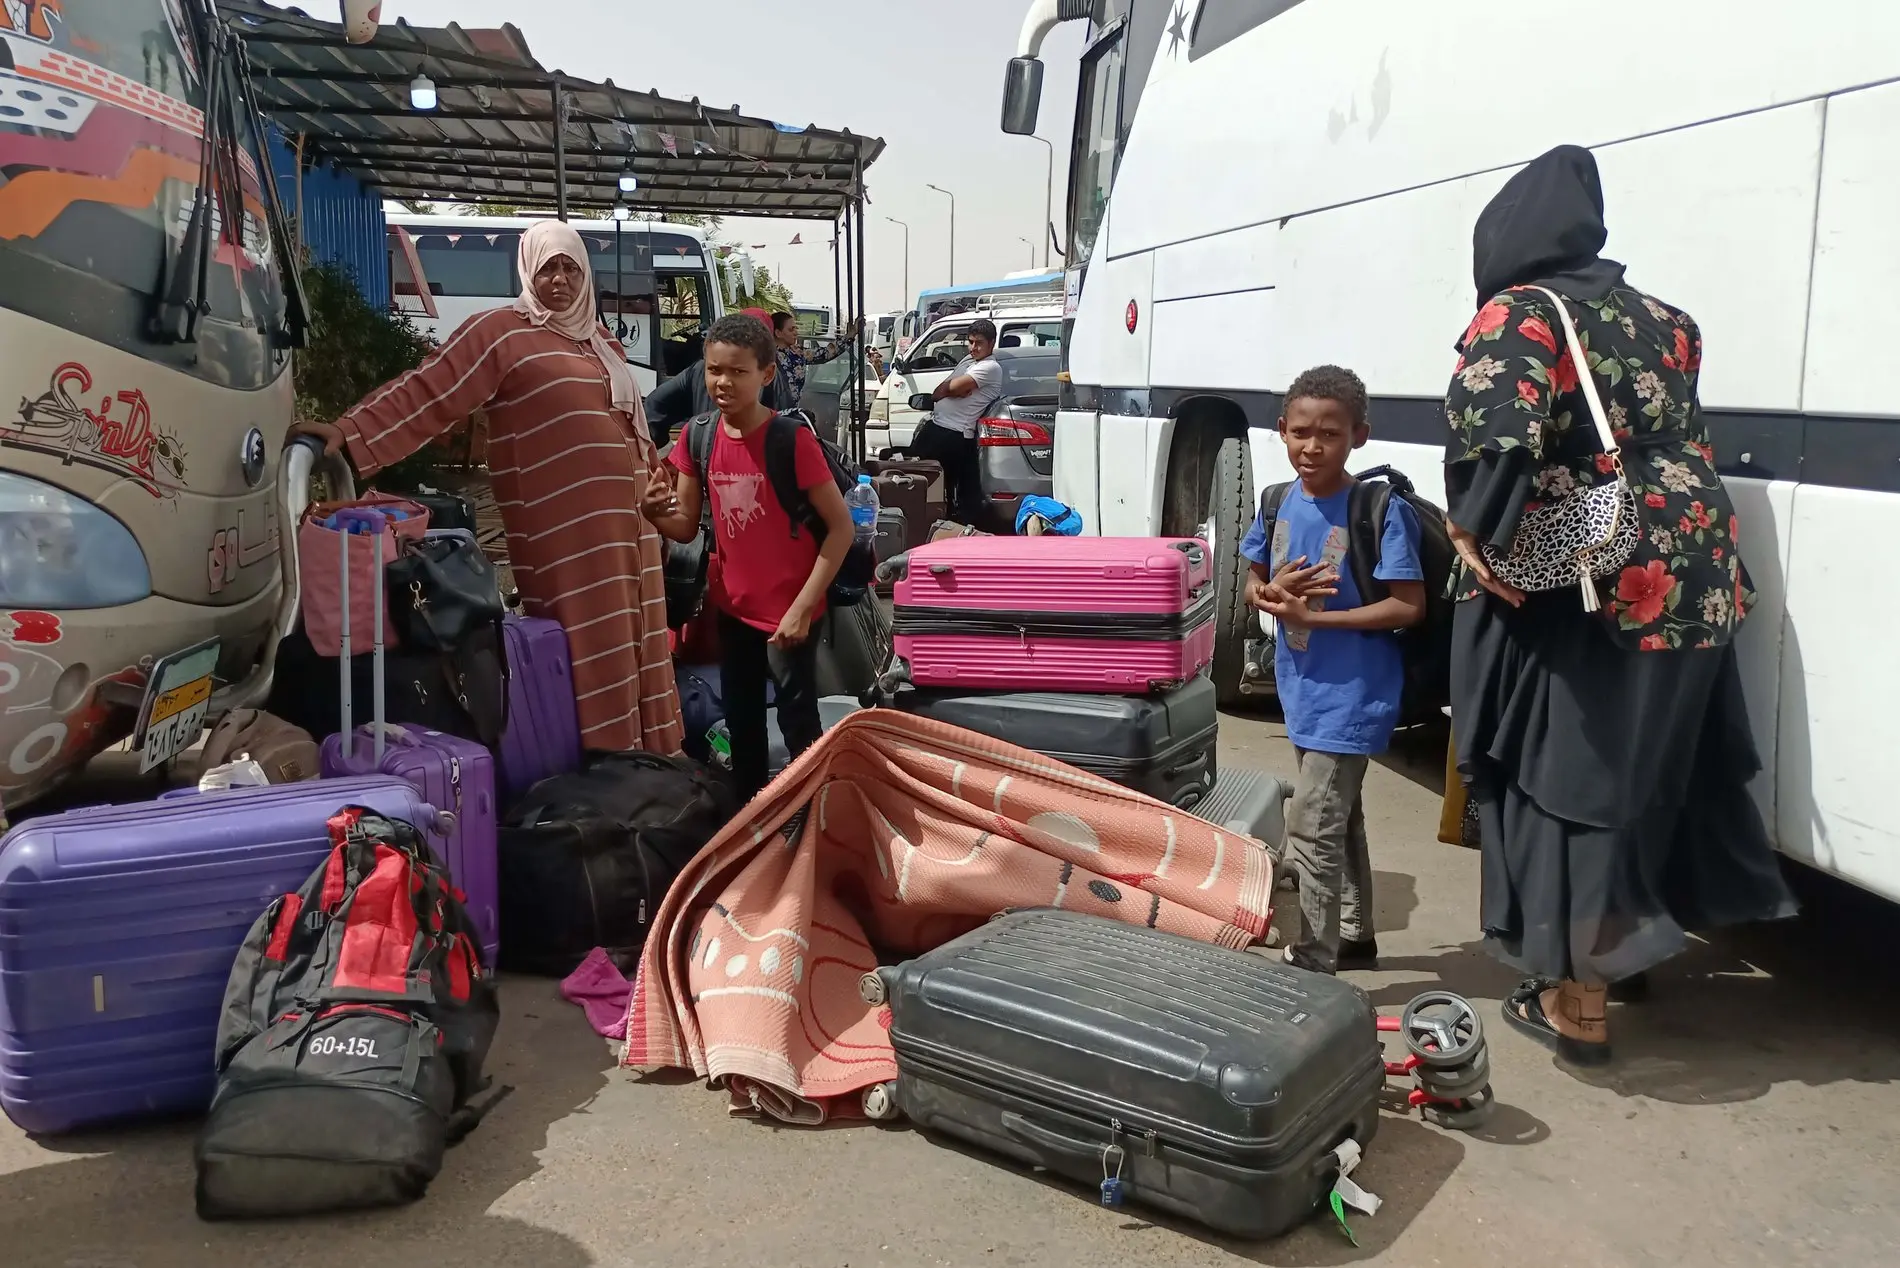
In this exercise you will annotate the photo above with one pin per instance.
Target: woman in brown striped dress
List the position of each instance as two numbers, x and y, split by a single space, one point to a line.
571 459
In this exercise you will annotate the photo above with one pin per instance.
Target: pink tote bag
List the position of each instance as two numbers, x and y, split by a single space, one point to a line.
320 571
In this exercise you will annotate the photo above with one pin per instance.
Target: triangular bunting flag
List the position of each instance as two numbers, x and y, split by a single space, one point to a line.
670 144
798 240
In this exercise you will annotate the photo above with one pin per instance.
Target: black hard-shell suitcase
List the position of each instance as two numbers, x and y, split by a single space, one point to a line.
1160 745
1218 1083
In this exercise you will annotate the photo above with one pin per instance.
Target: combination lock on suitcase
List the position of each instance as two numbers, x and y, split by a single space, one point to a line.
1213 1084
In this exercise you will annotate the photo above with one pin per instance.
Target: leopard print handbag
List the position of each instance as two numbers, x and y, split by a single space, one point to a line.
1576 537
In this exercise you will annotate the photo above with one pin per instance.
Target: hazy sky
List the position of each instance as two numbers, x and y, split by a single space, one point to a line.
926 77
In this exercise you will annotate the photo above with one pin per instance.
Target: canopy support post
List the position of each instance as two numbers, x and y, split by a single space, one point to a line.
560 147
859 409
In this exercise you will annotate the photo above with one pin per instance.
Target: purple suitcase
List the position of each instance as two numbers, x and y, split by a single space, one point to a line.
118 927
452 774
543 735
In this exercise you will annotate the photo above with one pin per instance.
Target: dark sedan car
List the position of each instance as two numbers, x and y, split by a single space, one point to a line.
1017 437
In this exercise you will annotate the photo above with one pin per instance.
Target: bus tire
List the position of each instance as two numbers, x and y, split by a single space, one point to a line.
1210 484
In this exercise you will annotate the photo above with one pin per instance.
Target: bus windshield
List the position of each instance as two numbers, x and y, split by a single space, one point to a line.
99 172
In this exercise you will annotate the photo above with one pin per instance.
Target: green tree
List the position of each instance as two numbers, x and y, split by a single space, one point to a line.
767 292
416 207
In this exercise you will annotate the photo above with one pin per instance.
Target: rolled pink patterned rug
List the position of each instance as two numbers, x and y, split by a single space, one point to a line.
901 833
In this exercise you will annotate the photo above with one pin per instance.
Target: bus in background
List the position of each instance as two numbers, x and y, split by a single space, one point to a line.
657 288
815 325
1026 285
1259 186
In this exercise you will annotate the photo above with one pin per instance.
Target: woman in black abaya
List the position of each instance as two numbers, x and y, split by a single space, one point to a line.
1608 752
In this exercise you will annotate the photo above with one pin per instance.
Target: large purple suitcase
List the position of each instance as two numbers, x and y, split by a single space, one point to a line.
452 774
543 735
118 927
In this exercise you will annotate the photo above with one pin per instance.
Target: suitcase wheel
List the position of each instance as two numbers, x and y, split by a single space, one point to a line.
880 1099
1442 1030
871 989
1467 1115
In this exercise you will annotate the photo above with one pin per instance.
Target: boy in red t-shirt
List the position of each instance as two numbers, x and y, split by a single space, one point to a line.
767 582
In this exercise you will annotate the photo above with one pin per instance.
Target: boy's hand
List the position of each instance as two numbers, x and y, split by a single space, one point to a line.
1295 580
794 629
661 501
1260 592
1289 611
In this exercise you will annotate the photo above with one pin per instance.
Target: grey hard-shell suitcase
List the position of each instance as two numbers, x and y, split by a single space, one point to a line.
1162 745
1214 1084
1249 801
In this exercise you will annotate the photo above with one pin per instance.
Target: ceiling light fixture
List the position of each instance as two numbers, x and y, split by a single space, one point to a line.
422 93
628 181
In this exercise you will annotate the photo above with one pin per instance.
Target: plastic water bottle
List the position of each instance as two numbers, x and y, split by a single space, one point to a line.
864 508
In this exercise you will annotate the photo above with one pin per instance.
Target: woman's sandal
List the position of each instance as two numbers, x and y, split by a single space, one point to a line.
1524 1010
1633 989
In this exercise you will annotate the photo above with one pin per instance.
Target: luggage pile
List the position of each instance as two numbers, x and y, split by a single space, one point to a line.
238 946
1092 650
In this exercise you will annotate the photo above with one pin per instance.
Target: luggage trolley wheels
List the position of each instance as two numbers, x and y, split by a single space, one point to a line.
871 990
1456 1083
880 1099
1467 1114
1442 1030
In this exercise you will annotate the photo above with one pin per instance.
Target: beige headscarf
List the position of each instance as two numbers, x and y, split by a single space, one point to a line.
544 240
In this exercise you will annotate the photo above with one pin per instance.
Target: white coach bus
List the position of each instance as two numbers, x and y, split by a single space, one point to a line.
641 269
1258 186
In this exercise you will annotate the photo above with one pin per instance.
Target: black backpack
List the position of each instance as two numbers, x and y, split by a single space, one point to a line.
781 472
356 1020
586 858
1427 645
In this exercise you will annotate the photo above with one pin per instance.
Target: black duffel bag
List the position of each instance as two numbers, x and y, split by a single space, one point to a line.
356 1022
586 858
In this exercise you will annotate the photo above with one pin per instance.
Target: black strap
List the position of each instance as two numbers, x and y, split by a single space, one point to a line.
1365 509
781 472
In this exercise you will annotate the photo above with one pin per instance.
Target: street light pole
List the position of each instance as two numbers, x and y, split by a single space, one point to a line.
1048 198
953 230
908 297
1032 249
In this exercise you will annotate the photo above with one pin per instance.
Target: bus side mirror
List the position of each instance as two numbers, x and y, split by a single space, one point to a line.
1022 95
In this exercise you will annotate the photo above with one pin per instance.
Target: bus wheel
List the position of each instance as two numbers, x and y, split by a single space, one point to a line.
1210 496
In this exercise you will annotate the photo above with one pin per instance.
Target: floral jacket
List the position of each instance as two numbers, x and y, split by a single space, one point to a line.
1515 385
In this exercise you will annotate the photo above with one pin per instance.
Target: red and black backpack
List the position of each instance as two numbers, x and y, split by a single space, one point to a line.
356 1021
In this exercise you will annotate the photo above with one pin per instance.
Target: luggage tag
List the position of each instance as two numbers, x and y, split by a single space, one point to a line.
1113 1192
1347 1192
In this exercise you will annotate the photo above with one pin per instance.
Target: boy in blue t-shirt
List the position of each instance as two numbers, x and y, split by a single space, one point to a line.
1338 667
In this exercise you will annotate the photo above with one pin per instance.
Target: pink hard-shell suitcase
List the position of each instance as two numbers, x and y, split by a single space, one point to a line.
455 775
1120 615
118 927
543 735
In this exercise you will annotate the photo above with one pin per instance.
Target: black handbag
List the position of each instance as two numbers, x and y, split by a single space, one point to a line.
441 590
687 564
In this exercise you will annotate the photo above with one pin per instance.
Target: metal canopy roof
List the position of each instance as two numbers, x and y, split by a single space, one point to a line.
492 136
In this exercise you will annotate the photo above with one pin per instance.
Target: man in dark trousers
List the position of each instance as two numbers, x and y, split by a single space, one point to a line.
950 437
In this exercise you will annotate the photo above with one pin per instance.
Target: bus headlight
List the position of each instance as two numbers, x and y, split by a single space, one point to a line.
58 551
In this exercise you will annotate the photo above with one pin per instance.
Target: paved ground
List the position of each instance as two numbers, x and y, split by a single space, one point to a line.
1751 1119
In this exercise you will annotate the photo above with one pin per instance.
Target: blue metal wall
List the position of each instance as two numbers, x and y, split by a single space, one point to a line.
342 222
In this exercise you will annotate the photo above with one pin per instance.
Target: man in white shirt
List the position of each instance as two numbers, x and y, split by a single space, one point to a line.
950 437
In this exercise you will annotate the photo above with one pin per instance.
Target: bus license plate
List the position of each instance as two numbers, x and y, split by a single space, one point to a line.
176 703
